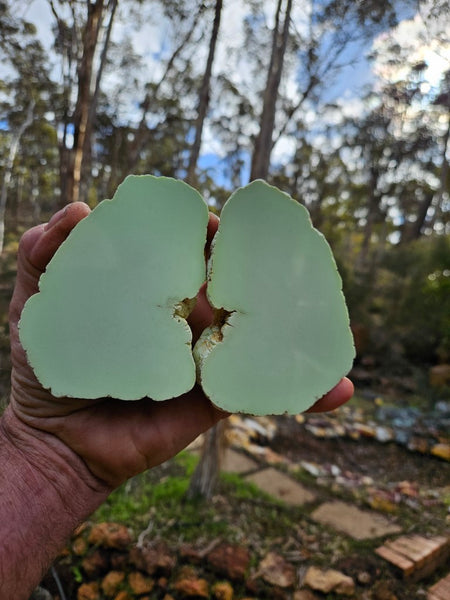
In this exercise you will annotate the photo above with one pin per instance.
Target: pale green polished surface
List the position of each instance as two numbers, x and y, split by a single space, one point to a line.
103 323
288 340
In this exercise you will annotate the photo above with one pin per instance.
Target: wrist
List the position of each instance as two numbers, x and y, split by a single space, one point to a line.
46 490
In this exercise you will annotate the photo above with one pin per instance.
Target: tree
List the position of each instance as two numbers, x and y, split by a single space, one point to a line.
26 89
204 96
15 141
322 40
78 34
263 143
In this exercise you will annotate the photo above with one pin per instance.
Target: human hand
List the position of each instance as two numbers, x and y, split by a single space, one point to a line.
115 439
61 457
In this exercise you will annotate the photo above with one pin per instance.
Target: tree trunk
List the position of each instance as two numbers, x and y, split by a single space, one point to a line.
263 143
82 111
206 474
204 97
86 166
140 137
9 167
414 230
373 205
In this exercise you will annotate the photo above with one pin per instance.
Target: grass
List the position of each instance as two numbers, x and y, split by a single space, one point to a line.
239 511
159 496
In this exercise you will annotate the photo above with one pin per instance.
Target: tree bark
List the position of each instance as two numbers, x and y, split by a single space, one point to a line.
373 207
82 112
92 116
9 167
263 143
414 230
204 97
140 137
206 474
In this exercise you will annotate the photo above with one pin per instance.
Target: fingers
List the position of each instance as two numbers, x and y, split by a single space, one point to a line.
37 247
202 315
339 395
54 233
213 225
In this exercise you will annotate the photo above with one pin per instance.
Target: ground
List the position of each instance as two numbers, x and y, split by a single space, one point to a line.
256 535
382 461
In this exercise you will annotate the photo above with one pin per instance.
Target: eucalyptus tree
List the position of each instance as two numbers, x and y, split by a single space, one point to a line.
311 44
204 96
25 91
82 36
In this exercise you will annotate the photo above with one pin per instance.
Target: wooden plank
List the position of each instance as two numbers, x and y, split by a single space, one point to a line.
416 556
411 549
400 561
440 590
418 549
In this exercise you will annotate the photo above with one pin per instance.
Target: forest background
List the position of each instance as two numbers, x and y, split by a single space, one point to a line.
344 105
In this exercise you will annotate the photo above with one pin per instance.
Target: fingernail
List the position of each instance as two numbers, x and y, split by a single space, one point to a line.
56 217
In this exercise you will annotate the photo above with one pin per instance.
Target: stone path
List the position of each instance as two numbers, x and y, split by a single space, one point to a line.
281 486
345 518
354 522
415 556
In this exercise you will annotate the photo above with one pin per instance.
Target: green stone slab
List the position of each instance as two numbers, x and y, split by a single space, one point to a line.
286 339
108 320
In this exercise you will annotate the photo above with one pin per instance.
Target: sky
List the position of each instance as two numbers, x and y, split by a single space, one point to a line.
150 40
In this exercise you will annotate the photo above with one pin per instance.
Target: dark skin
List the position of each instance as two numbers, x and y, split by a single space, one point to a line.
97 444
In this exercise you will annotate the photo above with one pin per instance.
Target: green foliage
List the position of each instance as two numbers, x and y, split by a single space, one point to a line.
405 302
419 288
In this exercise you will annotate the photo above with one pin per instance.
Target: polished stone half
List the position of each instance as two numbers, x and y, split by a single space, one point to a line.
281 338
109 319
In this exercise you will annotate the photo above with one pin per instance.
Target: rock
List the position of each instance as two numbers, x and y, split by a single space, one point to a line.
365 430
118 560
364 578
305 595
110 535
231 560
96 563
188 553
79 546
408 488
439 376
123 595
380 500
442 451
153 559
383 434
223 591
139 583
418 444
88 591
313 468
190 587
112 582
41 593
275 570
329 581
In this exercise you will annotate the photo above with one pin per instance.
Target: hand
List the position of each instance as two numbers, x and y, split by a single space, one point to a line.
61 457
115 439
